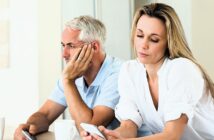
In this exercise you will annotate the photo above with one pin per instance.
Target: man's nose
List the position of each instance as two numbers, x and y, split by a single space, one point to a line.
66 52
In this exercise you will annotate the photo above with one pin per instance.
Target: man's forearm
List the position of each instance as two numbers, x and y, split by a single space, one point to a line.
38 122
77 108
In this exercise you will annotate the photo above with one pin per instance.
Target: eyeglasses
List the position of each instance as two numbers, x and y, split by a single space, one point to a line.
73 46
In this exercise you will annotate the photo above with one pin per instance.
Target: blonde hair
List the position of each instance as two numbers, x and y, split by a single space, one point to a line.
177 45
90 29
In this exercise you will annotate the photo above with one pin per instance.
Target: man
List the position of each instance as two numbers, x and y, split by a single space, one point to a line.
88 86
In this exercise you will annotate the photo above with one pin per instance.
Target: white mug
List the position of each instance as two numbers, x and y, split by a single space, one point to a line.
2 125
66 130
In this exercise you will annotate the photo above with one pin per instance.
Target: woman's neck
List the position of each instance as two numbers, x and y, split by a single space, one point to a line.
152 69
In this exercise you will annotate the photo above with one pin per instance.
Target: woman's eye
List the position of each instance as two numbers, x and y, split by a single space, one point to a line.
140 36
154 40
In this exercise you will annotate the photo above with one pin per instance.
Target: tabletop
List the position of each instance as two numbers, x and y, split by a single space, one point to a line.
46 136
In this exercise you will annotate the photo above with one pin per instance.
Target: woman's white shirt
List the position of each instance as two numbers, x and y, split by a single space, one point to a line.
181 91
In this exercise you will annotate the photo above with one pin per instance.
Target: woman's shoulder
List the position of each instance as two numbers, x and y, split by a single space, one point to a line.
132 65
181 61
183 66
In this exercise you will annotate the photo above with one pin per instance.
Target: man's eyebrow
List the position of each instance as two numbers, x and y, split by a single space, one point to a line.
70 43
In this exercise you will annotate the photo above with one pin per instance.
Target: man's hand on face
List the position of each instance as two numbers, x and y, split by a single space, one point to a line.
79 63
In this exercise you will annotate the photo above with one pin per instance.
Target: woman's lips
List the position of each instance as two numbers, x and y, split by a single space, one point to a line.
143 54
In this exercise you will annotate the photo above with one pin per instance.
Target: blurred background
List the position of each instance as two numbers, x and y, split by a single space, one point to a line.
30 36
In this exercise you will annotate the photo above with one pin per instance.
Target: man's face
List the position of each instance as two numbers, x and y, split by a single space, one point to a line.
70 42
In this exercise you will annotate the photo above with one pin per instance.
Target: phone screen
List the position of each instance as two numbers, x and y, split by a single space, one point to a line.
92 129
28 135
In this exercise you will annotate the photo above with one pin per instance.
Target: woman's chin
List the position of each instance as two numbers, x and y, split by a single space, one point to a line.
143 60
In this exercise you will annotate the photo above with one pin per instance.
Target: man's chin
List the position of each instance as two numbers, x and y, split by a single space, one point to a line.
66 61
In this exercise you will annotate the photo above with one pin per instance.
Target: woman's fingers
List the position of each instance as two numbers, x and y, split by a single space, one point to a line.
109 133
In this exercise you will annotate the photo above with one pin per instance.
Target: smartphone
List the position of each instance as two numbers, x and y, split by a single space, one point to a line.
92 129
28 135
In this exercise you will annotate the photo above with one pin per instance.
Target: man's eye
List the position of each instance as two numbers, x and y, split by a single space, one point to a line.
71 46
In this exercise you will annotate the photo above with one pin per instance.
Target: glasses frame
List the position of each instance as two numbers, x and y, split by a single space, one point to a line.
74 46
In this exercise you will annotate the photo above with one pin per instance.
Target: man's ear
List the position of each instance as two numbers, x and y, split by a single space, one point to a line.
96 46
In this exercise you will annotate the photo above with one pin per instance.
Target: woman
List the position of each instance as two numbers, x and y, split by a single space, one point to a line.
165 87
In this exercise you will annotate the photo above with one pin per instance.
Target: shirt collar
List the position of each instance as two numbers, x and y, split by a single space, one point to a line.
161 69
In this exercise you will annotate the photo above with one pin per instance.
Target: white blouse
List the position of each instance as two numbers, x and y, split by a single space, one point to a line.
181 91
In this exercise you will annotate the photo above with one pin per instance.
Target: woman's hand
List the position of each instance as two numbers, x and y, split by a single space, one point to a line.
86 136
109 135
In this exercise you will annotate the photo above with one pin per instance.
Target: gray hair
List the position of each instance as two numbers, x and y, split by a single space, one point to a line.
90 29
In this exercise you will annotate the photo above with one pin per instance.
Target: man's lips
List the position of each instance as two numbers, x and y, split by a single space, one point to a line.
67 60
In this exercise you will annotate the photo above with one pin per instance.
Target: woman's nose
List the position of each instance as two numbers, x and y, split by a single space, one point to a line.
144 44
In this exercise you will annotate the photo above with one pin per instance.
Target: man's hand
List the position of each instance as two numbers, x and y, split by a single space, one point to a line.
18 133
79 63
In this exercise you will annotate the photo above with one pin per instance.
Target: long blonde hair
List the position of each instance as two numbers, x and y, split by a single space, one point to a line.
176 41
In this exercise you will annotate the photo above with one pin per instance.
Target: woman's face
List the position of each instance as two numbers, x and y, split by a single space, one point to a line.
150 40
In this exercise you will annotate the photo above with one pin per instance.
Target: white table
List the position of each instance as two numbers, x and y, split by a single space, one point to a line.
9 131
46 136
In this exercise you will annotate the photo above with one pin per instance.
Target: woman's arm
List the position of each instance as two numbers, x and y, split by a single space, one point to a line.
173 130
127 129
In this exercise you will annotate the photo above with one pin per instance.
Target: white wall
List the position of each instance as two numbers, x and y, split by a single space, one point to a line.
74 8
35 59
116 15
19 83
202 35
49 46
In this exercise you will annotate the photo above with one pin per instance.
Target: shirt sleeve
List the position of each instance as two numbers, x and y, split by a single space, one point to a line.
185 88
58 94
127 109
108 95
